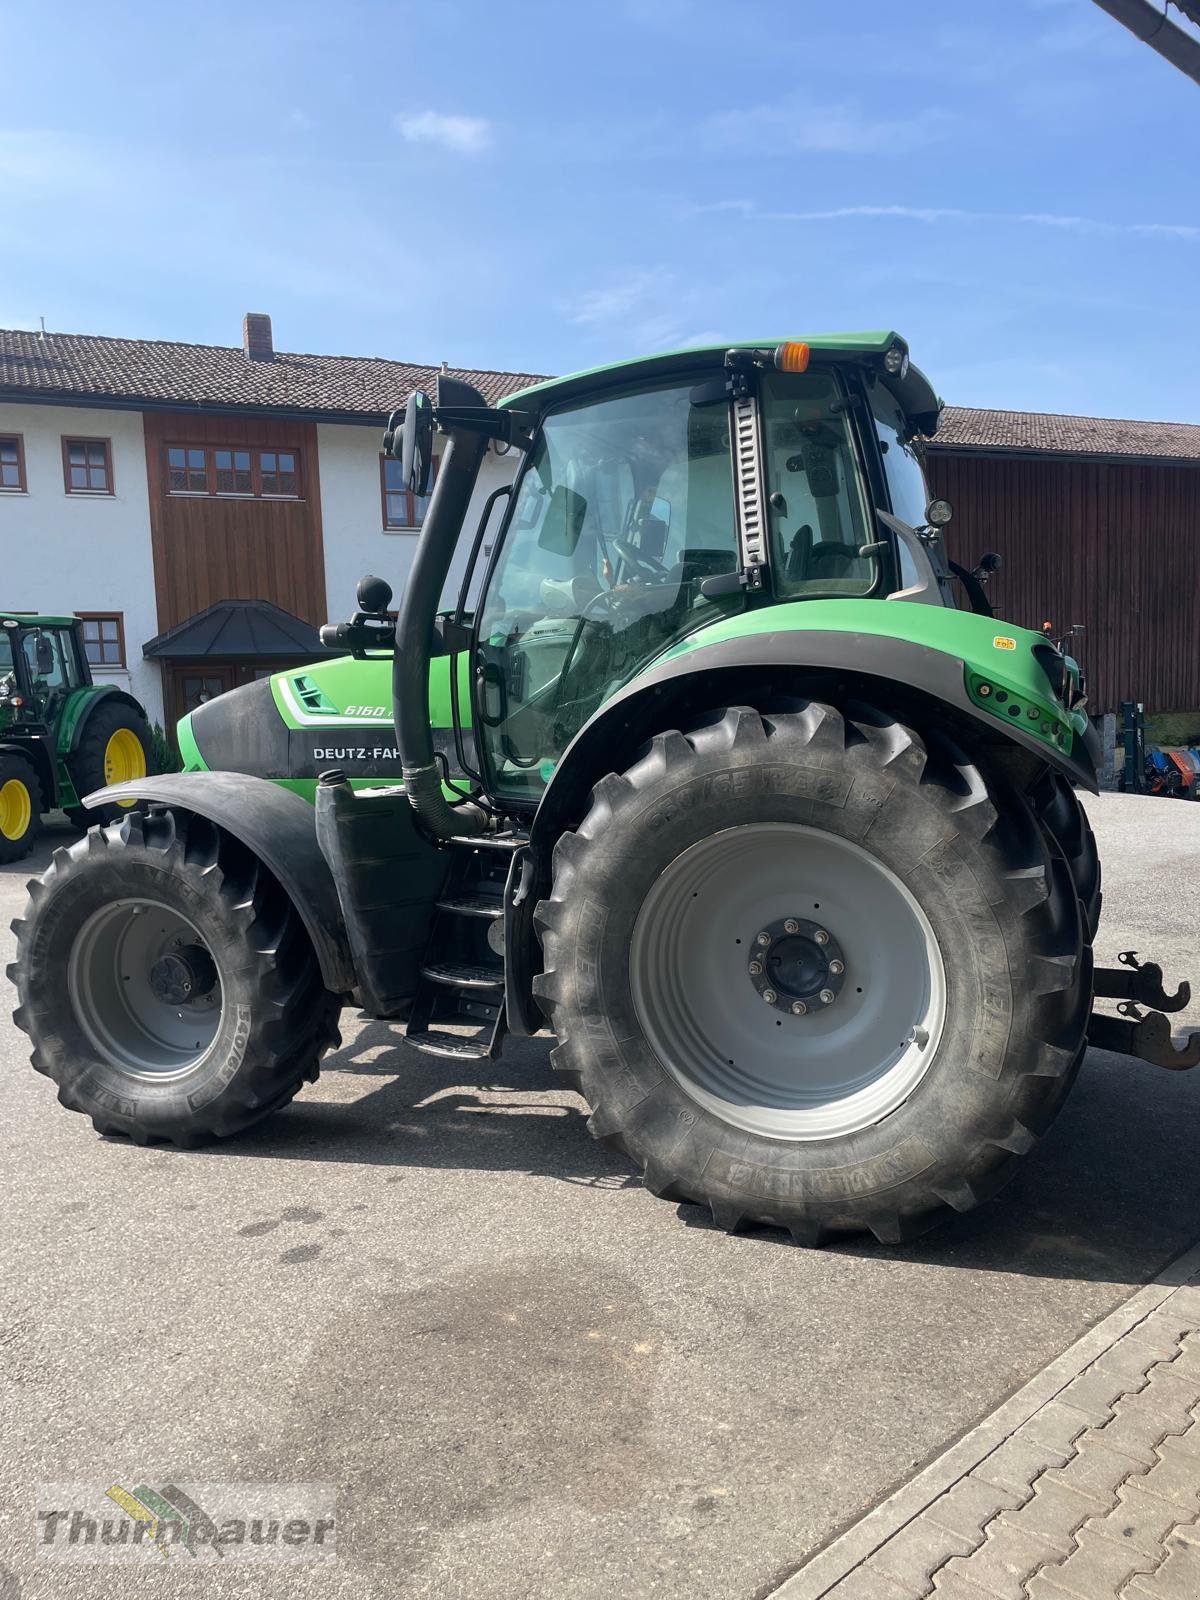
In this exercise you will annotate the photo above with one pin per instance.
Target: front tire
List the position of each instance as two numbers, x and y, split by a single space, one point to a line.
166 982
958 930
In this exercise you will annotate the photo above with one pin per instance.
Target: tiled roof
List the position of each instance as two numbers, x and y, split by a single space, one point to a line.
968 428
86 367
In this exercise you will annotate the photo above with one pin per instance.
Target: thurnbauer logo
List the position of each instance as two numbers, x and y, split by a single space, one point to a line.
226 1520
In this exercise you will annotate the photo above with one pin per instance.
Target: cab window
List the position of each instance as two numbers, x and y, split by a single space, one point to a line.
624 509
819 516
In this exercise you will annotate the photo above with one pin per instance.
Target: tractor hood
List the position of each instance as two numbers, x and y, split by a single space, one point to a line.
297 724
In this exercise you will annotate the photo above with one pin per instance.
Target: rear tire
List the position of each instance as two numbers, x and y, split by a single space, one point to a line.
166 982
996 895
116 745
20 807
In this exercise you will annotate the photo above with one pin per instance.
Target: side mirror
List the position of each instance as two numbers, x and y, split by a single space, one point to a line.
989 563
45 656
563 522
416 443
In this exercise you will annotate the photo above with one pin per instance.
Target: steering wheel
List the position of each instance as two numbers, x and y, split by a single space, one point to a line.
829 551
645 566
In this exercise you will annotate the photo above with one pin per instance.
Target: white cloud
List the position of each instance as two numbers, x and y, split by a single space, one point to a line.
833 129
1042 219
467 136
616 300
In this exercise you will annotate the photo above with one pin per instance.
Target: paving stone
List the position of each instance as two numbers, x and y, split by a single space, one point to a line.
1042 1587
1096 1392
1177 1579
862 1584
1054 1513
1095 1470
1144 1420
1056 1423
1130 1360
1186 1301
1098 1567
1140 1520
916 1553
1175 1477
1016 1463
948 1587
1004 1562
1187 1363
970 1505
1172 1320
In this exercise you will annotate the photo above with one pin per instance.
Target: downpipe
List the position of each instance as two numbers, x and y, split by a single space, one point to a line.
415 642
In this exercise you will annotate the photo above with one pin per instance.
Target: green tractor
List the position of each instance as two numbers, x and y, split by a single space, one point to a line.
728 777
61 735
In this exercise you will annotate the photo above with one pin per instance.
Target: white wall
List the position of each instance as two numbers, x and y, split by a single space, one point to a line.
352 515
66 553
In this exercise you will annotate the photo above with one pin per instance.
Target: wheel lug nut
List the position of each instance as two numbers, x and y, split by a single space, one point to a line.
770 996
821 936
755 968
799 1009
791 926
837 968
827 997
764 939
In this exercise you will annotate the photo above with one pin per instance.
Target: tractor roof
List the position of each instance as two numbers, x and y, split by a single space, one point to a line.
38 619
915 394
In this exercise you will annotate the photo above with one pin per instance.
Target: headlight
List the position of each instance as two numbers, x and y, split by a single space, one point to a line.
895 361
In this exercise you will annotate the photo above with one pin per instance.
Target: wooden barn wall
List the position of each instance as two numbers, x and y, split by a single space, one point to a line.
1115 547
209 549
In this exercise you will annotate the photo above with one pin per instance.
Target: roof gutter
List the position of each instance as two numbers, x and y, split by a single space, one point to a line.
361 419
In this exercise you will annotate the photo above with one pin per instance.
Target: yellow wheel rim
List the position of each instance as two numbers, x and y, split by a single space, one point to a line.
124 759
16 809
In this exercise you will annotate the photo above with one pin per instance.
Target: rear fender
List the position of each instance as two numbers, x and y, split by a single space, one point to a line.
79 709
276 826
748 668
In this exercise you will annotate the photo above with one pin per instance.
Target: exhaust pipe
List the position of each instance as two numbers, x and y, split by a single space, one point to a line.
415 632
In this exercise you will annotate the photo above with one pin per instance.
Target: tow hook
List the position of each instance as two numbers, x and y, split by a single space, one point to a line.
1144 1035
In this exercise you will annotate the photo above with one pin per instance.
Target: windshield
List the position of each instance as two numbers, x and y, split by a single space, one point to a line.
819 516
625 507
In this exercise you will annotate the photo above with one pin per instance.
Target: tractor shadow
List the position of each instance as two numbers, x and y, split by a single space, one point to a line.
1110 1195
382 1103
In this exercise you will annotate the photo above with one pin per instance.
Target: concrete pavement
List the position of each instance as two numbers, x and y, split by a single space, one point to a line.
518 1371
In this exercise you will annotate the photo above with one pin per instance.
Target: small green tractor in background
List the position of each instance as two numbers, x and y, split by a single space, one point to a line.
61 735
727 776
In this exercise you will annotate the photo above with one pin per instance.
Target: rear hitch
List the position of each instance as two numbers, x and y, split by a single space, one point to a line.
1140 984
1145 1035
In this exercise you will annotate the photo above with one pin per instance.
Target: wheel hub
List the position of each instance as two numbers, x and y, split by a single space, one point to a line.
182 975
796 965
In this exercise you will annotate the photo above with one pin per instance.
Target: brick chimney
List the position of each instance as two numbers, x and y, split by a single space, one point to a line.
256 336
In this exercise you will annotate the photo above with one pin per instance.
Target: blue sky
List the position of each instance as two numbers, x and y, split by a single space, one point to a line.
541 186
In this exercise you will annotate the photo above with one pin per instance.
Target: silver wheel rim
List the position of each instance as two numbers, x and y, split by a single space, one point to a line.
843 1064
139 983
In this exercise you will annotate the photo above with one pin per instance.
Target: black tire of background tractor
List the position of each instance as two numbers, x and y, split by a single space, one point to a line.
87 762
15 769
277 1017
1060 813
997 893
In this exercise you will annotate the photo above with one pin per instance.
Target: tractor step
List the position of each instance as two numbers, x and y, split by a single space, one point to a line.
461 983
474 905
434 1043
464 975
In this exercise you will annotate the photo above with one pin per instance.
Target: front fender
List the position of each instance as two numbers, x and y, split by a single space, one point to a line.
79 708
276 826
732 669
